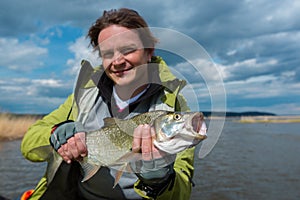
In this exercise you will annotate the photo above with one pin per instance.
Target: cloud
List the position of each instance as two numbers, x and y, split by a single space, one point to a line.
81 50
34 87
31 95
248 69
20 56
49 88
254 44
34 16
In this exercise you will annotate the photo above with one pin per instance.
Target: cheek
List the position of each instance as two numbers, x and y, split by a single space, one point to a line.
105 64
138 58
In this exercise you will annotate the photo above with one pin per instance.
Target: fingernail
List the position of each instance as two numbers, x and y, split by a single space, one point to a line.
136 149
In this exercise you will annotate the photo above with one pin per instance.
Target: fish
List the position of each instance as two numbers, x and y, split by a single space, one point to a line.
111 146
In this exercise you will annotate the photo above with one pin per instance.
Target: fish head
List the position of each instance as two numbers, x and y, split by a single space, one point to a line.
177 131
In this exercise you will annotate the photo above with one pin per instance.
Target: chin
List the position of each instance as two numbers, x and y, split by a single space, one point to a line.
123 82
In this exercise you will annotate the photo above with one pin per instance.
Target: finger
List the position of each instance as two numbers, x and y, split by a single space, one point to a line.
156 153
68 156
73 148
146 143
137 138
62 152
153 133
80 143
65 147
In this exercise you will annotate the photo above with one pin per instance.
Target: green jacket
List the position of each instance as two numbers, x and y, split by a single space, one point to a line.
39 133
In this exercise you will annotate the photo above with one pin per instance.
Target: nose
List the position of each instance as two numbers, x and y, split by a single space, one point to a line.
118 59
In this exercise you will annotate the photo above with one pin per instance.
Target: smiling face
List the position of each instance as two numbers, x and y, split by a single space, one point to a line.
124 57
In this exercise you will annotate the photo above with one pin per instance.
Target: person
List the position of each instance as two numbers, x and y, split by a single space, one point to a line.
130 80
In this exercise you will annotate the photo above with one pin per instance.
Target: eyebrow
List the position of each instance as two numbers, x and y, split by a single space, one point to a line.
132 45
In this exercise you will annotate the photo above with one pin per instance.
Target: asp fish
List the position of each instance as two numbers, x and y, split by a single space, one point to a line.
111 145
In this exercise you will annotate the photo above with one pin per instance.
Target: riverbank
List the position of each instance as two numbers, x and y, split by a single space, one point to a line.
14 126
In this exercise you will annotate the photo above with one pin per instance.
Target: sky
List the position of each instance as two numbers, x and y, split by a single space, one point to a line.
248 51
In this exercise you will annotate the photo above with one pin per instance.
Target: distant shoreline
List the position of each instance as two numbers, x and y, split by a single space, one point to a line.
269 119
237 114
252 117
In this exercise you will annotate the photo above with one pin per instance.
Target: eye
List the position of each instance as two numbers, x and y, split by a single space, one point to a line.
127 50
107 54
177 117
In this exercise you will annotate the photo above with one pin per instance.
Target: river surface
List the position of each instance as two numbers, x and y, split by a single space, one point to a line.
250 161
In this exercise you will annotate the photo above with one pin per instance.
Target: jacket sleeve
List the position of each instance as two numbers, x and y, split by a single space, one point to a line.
39 133
182 186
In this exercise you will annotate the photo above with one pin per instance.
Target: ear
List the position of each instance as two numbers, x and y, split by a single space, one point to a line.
150 52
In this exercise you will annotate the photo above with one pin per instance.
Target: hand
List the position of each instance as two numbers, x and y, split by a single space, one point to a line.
142 142
68 139
155 164
74 149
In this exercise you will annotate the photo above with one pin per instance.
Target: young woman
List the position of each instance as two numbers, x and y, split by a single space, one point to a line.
130 81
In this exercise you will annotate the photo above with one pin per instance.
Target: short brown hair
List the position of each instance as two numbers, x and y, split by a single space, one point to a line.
123 17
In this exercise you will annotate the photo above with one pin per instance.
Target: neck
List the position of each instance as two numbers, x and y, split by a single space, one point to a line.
125 92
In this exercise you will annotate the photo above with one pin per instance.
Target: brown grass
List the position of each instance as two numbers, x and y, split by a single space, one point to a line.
15 126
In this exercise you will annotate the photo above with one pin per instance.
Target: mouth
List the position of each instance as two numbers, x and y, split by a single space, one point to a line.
122 71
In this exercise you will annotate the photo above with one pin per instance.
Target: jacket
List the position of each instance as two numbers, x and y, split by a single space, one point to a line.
75 108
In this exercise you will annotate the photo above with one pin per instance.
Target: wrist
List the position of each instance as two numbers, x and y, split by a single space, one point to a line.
63 131
155 187
59 124
157 177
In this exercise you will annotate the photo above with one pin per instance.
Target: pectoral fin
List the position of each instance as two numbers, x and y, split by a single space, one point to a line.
128 158
117 178
124 167
89 170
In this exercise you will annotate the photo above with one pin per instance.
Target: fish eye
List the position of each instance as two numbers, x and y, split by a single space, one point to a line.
177 117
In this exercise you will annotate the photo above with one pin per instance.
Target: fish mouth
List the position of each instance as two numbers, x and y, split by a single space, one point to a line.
197 120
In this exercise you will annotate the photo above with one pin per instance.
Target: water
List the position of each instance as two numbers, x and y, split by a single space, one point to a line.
16 173
250 161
